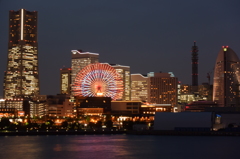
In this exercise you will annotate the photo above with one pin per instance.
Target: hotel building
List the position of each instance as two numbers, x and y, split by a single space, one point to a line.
226 78
162 88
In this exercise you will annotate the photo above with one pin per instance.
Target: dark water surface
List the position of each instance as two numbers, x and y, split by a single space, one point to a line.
119 146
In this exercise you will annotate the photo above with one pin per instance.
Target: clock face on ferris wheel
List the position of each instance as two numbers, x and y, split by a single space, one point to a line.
98 80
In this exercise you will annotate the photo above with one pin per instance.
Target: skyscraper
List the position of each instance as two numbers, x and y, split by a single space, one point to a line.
226 78
80 60
65 81
194 67
22 77
124 72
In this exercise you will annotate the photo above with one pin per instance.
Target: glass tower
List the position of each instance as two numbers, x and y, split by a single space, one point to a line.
22 77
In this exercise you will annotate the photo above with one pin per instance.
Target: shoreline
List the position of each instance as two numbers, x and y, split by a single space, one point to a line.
57 132
132 132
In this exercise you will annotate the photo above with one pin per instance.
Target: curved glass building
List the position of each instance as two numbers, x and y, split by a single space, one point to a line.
226 78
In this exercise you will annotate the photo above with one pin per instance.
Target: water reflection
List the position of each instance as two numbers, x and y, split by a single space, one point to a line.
118 146
57 147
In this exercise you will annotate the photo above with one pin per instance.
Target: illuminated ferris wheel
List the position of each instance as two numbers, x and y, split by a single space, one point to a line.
98 80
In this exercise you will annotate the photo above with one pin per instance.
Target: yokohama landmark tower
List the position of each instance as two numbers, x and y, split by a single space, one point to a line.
21 77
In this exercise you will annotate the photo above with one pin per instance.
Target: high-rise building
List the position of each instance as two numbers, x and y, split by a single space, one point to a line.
124 72
139 86
226 78
80 60
22 77
162 88
65 80
194 67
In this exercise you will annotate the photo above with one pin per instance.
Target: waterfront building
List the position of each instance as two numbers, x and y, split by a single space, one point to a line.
65 80
226 78
199 106
125 108
151 109
16 106
124 72
22 77
9 112
162 88
59 105
139 87
38 106
184 121
80 60
92 106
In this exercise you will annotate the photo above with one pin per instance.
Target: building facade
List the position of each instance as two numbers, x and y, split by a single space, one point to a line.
59 105
20 106
162 88
80 60
92 105
65 80
226 78
124 72
151 109
199 106
38 106
139 86
22 77
128 108
205 91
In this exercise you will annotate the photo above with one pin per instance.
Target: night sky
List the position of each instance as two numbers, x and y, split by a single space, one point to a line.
148 35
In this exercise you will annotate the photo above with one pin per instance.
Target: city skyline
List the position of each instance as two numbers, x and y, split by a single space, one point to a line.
148 37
